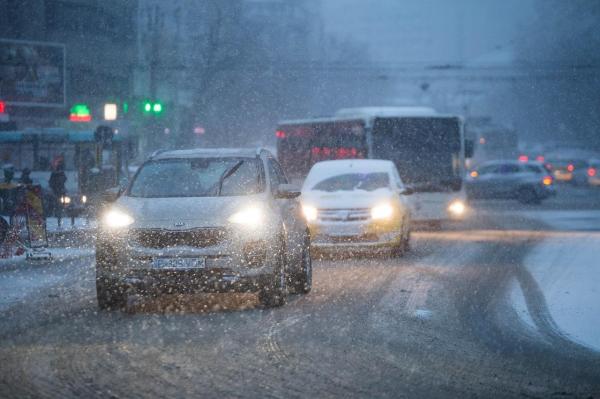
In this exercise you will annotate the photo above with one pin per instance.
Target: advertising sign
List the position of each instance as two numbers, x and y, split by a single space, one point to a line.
32 73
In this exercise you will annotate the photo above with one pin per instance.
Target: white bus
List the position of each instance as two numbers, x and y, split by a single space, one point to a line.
428 149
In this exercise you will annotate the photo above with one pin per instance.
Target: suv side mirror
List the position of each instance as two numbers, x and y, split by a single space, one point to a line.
287 191
406 191
111 194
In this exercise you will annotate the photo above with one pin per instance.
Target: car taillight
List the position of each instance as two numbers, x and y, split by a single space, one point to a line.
592 172
570 167
280 134
547 180
540 158
523 158
474 174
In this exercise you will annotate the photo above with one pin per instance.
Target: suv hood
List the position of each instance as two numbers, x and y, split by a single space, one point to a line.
193 212
346 199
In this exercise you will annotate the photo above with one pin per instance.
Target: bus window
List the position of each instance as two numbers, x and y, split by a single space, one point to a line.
426 151
302 145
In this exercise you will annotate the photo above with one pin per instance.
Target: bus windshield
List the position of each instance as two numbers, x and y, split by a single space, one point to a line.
426 151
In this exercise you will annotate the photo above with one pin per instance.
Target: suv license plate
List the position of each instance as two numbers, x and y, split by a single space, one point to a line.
179 263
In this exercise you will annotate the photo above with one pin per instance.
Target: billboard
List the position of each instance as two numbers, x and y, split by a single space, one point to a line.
32 73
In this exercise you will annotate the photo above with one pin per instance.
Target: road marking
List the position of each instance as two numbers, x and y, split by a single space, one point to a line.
418 297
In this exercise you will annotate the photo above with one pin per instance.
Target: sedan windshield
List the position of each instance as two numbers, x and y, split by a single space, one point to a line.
354 181
199 177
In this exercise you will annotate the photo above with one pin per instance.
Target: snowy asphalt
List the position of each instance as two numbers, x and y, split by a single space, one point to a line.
439 322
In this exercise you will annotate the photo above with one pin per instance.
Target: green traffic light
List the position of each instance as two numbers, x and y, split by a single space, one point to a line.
157 108
147 106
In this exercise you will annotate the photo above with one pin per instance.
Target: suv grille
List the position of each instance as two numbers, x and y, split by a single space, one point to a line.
344 215
156 238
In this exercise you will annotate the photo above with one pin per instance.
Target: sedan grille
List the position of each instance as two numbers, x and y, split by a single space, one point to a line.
344 215
156 238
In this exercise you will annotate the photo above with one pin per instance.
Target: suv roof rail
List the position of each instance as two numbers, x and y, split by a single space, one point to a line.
157 152
259 150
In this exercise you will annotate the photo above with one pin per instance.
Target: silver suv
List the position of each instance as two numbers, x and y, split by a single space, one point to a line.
527 182
204 220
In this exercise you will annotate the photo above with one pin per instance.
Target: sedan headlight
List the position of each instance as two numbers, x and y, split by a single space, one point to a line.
310 213
65 200
252 216
115 218
382 211
457 207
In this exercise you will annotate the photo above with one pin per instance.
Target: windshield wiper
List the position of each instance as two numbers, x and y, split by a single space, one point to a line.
226 174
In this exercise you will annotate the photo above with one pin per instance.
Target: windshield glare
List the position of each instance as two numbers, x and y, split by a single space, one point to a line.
354 181
197 177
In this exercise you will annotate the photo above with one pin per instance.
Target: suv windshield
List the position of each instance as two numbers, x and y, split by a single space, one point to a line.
197 177
354 181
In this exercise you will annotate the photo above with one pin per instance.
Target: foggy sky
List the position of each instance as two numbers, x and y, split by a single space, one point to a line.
427 31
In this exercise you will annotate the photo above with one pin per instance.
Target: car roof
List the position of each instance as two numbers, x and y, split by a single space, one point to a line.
326 169
363 164
509 162
210 153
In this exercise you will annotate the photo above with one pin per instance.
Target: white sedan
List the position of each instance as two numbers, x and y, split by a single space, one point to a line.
357 204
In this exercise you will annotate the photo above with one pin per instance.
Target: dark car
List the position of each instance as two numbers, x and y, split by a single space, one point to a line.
574 171
527 182
204 220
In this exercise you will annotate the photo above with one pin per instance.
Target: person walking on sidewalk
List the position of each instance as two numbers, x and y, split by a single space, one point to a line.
57 182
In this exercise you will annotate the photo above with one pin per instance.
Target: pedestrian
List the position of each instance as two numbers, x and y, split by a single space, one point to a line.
25 178
57 181
9 174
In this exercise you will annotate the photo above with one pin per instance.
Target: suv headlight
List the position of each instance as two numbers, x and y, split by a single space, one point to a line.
115 218
382 211
310 213
252 216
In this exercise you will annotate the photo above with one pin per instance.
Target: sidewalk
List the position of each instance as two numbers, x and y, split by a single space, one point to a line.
80 233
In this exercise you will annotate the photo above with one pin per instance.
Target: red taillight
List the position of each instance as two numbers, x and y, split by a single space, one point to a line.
280 134
2 107
342 152
592 172
540 158
570 167
523 158
547 180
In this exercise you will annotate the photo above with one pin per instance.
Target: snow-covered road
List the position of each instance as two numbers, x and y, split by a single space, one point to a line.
566 267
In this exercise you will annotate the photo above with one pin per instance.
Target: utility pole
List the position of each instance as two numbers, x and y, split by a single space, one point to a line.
154 26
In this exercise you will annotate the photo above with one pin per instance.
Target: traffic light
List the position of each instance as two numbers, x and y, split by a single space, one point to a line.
154 108
110 112
80 113
2 107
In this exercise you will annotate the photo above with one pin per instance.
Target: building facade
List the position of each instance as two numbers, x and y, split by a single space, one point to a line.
99 39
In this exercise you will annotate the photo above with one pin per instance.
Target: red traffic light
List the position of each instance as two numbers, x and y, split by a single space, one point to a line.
2 107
